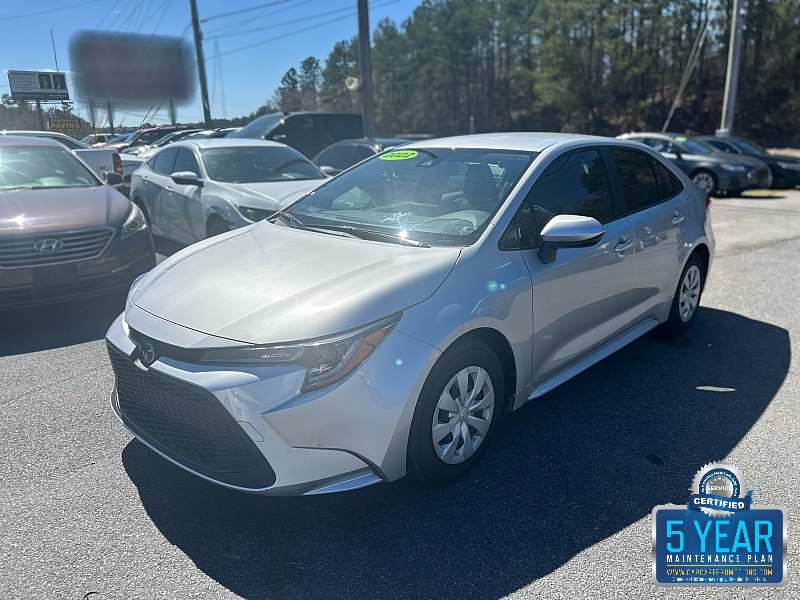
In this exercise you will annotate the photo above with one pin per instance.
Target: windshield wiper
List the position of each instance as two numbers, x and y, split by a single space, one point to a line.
369 234
291 219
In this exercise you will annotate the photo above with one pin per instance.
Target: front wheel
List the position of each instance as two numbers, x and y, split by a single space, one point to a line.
706 181
687 297
216 226
458 410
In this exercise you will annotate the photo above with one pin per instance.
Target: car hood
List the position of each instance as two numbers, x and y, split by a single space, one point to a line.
61 209
269 195
739 159
267 283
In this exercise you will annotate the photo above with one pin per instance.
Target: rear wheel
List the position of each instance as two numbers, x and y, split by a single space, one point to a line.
687 297
706 180
457 413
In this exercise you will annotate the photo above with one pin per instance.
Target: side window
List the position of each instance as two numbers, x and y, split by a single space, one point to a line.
520 233
186 162
668 184
338 157
362 153
164 161
574 184
638 179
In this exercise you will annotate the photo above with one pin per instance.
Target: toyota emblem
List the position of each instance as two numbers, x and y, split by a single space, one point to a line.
146 352
51 245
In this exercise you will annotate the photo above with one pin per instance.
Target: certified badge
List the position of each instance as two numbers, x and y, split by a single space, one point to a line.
718 491
719 537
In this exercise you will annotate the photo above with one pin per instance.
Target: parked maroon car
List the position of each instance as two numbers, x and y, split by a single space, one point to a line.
64 233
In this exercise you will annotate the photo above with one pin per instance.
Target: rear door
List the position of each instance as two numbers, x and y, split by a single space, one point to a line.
158 187
183 205
658 210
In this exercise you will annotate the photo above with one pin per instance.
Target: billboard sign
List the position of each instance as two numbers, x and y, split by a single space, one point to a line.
65 125
132 68
38 85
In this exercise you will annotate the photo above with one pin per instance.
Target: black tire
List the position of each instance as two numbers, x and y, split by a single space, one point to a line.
428 459
706 181
216 225
687 297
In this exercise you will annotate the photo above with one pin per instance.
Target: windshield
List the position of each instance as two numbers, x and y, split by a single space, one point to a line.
435 196
696 146
750 147
37 167
260 127
255 164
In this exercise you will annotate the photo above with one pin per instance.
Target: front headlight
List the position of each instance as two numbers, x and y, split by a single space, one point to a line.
326 360
134 223
789 166
734 168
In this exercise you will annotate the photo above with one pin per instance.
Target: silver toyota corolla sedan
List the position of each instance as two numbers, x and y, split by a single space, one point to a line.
383 324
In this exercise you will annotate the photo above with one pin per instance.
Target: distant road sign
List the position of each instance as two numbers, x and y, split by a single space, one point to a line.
38 85
65 125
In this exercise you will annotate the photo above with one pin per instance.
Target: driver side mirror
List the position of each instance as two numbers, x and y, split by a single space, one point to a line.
186 178
568 231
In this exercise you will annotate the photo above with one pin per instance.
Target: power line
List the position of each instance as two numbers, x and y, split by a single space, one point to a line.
44 12
253 18
302 30
244 10
290 22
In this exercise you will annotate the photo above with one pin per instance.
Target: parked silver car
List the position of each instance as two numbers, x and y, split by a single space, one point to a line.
382 325
194 189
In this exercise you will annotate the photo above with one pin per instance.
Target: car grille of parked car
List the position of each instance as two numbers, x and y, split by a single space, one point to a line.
53 248
187 424
759 174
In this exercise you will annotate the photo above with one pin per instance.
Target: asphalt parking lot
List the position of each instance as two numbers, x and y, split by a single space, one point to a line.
559 508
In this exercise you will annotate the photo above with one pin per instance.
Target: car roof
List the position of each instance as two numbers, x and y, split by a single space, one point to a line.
226 143
8 139
36 133
524 141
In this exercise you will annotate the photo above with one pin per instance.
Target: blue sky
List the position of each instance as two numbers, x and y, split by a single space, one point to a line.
248 44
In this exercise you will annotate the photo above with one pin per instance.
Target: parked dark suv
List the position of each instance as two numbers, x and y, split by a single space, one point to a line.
307 132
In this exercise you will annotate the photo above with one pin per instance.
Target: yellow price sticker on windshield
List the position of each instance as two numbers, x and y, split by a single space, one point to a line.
399 155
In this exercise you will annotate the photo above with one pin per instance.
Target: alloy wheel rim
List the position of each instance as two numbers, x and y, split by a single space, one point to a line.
463 415
690 293
705 182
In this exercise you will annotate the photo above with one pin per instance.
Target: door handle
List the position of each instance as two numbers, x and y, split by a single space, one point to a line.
677 217
623 245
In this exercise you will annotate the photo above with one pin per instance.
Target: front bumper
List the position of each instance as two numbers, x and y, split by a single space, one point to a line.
251 429
757 178
120 263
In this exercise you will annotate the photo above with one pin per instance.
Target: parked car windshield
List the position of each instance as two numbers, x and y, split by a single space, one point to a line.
697 147
434 196
254 164
750 147
34 167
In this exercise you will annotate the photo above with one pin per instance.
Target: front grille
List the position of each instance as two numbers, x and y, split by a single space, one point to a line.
758 174
188 424
60 247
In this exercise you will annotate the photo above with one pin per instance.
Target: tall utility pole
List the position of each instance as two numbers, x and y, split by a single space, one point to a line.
732 77
365 61
201 64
